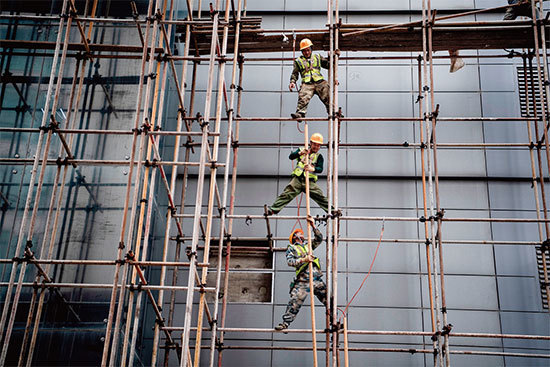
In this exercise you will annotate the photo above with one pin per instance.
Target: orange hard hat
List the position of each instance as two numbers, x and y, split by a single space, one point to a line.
305 43
293 233
316 138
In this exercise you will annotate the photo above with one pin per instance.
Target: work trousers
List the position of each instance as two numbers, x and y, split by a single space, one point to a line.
299 291
294 188
307 91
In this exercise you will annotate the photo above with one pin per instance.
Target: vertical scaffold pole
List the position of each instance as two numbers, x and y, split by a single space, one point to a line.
22 232
310 251
428 88
131 168
539 34
200 190
213 174
223 212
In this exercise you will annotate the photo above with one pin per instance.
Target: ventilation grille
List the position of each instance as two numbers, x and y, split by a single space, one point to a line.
543 293
533 102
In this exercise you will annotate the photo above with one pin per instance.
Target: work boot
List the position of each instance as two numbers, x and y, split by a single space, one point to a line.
282 326
298 115
269 212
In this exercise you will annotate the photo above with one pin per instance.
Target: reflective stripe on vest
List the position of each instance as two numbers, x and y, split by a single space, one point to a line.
310 68
302 164
302 251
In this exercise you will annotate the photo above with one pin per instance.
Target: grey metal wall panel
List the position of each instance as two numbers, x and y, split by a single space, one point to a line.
525 263
404 292
381 193
471 321
519 294
381 162
364 78
509 163
469 292
382 319
526 323
498 78
379 104
511 196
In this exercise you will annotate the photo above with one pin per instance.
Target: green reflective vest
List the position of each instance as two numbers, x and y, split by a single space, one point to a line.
302 251
302 164
310 68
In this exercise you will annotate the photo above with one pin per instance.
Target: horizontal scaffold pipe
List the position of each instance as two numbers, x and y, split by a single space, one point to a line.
391 119
106 262
96 162
398 219
381 332
390 350
373 240
106 132
109 286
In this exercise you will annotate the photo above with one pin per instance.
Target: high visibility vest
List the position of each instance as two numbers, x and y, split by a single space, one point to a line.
310 68
302 251
302 164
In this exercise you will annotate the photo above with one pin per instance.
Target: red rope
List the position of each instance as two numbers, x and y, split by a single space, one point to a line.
370 269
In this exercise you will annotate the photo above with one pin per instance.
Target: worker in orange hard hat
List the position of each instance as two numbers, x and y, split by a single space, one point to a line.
298 182
308 66
297 256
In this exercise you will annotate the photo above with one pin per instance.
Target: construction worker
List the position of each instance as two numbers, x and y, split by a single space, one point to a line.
308 66
298 182
523 9
297 257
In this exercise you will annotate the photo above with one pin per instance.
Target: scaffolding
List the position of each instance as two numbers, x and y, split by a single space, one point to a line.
220 36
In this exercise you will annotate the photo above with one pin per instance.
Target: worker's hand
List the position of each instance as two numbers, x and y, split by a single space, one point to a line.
304 151
309 168
337 52
310 221
292 86
310 258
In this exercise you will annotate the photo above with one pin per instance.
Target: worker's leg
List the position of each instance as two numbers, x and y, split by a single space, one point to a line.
322 89
317 195
304 96
298 295
320 290
291 190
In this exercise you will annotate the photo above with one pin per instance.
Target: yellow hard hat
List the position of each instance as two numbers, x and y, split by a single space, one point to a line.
305 43
316 138
293 233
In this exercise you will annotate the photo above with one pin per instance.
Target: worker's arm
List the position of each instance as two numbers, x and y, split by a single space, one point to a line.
292 258
294 76
325 64
294 155
319 164
317 239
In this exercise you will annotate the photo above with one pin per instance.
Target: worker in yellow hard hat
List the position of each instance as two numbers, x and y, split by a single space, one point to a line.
298 182
298 258
308 66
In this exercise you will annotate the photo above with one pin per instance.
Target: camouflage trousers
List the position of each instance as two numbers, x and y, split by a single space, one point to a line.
299 291
307 91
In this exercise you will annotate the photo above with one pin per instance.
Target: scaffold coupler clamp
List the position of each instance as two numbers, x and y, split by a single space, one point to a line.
447 329
336 214
248 220
545 245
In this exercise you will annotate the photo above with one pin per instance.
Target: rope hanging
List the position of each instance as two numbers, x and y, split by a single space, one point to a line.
344 312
